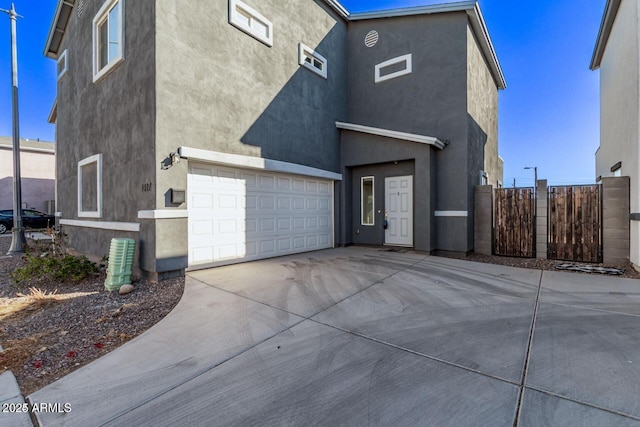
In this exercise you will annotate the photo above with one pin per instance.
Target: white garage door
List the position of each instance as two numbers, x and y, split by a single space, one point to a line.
242 215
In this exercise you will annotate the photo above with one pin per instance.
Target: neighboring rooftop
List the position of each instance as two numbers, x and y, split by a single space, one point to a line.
6 143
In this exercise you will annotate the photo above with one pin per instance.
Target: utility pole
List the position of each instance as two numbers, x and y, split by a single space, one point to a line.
18 241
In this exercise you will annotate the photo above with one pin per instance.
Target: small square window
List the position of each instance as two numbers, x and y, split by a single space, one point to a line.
108 38
90 187
312 60
247 19
63 65
367 201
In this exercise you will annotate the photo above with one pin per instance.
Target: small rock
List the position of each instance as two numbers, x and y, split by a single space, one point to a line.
125 289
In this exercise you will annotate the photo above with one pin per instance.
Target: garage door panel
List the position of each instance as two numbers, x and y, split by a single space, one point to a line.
239 215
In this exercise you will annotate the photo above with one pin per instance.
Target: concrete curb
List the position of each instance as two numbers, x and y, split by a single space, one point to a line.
14 410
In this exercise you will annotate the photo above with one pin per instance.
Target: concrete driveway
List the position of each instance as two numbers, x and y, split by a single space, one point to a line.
358 336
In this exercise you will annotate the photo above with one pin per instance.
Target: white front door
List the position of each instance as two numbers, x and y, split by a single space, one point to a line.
398 201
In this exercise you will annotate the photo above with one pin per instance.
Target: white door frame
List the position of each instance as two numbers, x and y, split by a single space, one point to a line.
398 204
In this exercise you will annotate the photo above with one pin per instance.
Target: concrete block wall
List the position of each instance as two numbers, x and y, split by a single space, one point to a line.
542 219
615 220
483 220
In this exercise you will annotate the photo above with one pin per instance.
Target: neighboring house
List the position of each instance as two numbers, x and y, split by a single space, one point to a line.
220 132
37 170
617 56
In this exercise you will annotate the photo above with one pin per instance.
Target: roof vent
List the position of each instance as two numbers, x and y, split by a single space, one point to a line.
80 8
371 38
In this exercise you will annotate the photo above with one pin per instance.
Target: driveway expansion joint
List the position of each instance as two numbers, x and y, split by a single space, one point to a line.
527 357
579 402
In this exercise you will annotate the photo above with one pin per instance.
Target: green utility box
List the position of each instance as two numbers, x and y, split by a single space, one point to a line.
120 262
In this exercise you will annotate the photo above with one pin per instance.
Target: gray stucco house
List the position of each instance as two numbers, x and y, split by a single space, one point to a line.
226 131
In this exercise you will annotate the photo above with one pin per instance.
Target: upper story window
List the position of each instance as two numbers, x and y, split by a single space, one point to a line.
63 65
312 60
108 38
247 19
393 68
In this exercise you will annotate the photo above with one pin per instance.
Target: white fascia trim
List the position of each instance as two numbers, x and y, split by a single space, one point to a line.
163 214
419 10
407 59
102 225
479 27
422 139
251 162
608 17
233 20
458 214
96 158
335 5
53 115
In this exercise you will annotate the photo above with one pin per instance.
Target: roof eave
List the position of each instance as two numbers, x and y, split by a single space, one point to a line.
53 114
482 33
418 10
49 50
608 17
340 9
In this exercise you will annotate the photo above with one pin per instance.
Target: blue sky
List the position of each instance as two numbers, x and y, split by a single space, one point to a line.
548 115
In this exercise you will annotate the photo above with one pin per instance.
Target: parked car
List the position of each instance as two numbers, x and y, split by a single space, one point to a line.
30 219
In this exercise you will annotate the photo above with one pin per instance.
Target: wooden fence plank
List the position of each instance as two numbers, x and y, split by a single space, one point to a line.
514 222
575 223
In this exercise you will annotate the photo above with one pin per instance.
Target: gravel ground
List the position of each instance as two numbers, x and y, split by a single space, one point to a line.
53 331
548 264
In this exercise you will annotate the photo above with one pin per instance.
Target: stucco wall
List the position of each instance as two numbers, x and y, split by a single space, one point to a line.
450 94
38 178
362 153
482 105
619 109
114 117
220 89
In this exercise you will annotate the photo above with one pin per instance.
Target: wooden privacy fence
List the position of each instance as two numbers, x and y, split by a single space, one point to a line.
575 217
514 222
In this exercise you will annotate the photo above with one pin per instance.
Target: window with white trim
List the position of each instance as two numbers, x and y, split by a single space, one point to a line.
90 187
247 19
393 68
63 65
108 38
312 60
367 216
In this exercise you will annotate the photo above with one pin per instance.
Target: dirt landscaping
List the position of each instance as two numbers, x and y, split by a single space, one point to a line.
51 328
